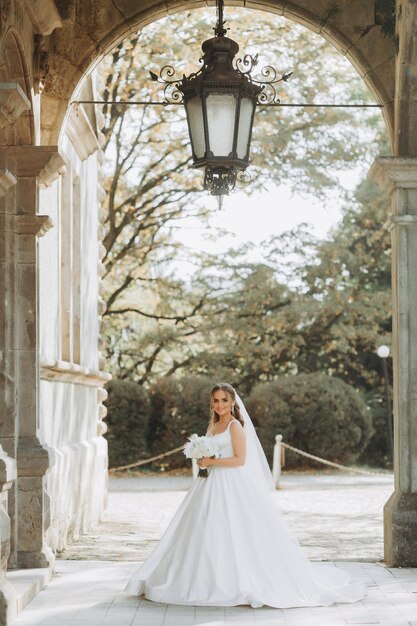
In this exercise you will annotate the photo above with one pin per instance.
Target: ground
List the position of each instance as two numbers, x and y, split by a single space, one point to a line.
336 517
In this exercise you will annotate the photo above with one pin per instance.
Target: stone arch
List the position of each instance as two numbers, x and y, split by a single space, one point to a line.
85 30
354 27
16 115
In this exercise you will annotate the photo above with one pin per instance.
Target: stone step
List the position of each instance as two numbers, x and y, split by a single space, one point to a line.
28 583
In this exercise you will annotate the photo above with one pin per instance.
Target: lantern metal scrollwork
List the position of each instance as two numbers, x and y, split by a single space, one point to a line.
220 101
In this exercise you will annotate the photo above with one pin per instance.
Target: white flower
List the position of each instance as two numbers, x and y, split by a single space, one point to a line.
197 447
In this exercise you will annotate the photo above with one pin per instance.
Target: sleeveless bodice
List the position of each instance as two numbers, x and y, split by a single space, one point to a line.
224 441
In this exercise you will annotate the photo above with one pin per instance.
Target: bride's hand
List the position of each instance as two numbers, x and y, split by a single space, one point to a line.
204 462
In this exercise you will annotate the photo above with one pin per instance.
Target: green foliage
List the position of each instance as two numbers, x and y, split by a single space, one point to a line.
317 413
152 322
251 328
163 394
348 291
271 415
127 420
179 408
309 306
314 412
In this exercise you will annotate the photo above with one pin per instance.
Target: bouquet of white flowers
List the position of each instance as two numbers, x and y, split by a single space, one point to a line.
197 447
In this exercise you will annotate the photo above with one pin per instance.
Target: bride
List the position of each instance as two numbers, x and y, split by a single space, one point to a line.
227 544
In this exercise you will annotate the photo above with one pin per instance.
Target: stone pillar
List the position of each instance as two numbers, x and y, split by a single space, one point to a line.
8 400
32 166
399 177
8 595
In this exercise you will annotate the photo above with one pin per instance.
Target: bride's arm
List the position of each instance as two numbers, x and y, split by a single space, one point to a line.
239 450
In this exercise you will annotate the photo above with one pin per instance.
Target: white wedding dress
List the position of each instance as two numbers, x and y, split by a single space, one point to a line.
227 544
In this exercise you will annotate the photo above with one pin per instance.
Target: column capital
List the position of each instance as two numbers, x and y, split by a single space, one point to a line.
400 220
42 162
37 225
394 173
33 459
13 102
26 224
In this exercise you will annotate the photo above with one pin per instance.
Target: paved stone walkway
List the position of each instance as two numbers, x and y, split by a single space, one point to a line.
336 517
90 593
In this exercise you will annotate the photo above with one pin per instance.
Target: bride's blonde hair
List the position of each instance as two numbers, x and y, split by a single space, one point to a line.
214 417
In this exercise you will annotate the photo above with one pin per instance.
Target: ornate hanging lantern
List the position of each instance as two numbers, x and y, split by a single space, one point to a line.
220 101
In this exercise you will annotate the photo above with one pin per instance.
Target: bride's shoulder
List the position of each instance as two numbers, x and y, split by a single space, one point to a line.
236 425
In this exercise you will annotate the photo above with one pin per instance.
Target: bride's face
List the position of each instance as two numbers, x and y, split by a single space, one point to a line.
222 403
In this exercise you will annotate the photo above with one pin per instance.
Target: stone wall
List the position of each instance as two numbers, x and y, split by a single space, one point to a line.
71 391
53 464
77 481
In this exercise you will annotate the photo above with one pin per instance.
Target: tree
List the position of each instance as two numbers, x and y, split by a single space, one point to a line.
251 327
349 285
146 180
150 189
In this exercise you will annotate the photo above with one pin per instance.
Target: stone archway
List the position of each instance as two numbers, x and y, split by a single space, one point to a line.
354 28
46 49
386 59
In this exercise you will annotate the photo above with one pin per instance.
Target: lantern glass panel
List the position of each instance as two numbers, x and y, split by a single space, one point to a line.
221 111
195 120
245 119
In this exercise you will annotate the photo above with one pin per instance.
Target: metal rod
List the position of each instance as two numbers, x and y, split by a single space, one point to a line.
220 30
281 104
324 105
126 102
389 409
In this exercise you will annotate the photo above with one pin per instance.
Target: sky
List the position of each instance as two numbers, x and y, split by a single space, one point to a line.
255 217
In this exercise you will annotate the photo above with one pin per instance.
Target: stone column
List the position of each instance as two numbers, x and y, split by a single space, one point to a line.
8 595
8 401
32 166
399 177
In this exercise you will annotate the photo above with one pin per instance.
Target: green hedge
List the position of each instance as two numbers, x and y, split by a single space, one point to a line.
127 420
179 408
317 413
314 412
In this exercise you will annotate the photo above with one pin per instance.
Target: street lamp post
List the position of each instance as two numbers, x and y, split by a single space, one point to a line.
383 352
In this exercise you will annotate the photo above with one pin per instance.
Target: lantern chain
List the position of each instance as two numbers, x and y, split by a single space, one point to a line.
219 29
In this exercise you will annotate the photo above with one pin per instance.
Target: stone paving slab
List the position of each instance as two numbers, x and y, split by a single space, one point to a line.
90 593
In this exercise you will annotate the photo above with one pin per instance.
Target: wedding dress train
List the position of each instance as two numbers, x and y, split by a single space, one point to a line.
227 545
